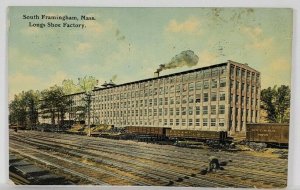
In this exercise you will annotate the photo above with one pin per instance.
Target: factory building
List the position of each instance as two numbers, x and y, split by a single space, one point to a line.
221 97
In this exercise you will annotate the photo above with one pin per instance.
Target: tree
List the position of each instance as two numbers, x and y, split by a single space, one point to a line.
23 110
55 103
276 102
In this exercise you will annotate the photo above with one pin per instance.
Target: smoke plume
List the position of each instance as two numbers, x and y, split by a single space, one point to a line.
185 58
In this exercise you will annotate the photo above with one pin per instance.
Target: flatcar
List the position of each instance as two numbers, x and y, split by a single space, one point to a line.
269 133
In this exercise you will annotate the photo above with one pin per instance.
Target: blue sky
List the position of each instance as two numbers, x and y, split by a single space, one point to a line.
130 43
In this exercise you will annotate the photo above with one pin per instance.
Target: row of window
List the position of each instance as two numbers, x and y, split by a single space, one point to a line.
163 90
205 122
171 111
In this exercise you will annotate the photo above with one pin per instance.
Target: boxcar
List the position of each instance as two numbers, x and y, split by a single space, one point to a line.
157 131
193 134
268 133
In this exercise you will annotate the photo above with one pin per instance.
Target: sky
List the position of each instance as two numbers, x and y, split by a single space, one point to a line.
128 44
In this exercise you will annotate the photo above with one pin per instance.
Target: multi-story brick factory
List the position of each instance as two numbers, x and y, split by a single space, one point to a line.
221 97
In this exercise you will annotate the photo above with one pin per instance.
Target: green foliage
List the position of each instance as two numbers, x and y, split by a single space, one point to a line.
276 102
85 84
55 103
23 110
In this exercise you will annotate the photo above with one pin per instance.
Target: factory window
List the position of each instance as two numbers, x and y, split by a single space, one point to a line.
252 89
171 100
205 122
171 122
183 111
199 75
166 111
183 122
154 112
197 122
222 82
177 99
197 110
243 72
214 83
160 101
238 72
155 101
150 102
145 112
198 85
222 70
141 103
185 78
191 99
178 88
177 122
171 111
155 91
214 72
190 122
221 122
184 87
160 121
213 122
243 100
166 89
161 90
206 84
252 101
222 96
205 97
165 122
237 85
136 113
177 111
146 102
243 86
191 86
184 100
172 87
205 110
213 110
213 96
190 110
247 101
160 112
198 98
237 98
207 73
166 101
150 112
141 112
232 70
221 109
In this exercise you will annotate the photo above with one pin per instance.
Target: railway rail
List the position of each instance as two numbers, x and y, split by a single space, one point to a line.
121 162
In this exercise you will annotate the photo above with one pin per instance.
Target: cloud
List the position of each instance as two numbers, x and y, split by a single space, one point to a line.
190 26
257 39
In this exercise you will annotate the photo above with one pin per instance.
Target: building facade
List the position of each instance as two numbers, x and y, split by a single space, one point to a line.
222 97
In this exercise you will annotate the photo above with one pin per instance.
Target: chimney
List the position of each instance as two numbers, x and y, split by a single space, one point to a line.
156 74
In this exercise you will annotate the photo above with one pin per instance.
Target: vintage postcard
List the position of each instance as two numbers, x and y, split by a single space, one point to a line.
185 97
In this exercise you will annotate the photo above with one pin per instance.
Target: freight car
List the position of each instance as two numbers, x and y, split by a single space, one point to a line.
193 134
177 134
269 133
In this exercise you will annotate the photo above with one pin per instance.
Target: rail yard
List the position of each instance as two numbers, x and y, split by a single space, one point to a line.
102 161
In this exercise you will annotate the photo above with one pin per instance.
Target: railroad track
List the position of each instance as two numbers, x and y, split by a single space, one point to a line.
172 166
